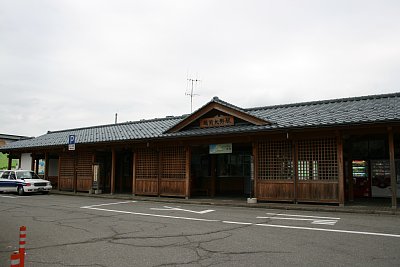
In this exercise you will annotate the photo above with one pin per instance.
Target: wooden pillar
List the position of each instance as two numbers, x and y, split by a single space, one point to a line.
75 179
46 165
254 171
159 177
134 172
59 171
187 171
295 152
113 166
213 174
9 162
392 169
33 162
339 144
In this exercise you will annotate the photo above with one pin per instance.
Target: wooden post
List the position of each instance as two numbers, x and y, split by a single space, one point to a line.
159 177
46 165
33 162
59 171
9 162
187 171
340 168
295 152
254 193
75 179
113 163
213 174
392 169
134 172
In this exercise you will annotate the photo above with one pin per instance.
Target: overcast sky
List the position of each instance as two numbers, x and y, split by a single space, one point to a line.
75 63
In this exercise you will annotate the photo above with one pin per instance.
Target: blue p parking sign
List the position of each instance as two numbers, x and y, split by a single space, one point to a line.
71 142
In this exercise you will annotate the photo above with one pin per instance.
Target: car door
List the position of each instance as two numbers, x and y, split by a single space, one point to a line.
6 185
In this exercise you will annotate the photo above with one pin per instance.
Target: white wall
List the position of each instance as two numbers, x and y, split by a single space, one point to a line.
26 161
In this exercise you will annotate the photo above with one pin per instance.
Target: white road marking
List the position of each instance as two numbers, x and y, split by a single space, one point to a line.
107 204
327 230
304 216
15 196
240 223
152 215
295 217
179 209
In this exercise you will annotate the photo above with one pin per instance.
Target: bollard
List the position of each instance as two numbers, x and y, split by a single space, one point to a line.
15 259
22 242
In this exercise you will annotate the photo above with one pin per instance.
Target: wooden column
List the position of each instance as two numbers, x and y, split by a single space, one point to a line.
339 145
159 177
33 162
113 166
58 173
134 172
75 179
254 171
46 165
295 152
187 171
10 162
392 169
213 174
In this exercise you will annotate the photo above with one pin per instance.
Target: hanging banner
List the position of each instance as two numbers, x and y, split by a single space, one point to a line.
221 148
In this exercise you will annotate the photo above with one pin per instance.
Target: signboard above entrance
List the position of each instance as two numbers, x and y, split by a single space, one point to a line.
220 148
217 121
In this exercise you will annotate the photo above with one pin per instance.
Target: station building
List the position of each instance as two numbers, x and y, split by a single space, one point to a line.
329 151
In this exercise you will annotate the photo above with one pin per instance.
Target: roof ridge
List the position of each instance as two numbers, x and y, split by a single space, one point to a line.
334 100
118 124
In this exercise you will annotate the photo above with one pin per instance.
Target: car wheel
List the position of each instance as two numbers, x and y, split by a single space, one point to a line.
21 190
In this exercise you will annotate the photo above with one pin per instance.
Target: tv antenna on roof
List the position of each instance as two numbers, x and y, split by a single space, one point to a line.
193 82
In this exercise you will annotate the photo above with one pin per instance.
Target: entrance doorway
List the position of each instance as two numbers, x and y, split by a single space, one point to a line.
124 172
225 174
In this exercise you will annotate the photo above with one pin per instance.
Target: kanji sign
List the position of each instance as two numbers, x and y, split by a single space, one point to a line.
217 121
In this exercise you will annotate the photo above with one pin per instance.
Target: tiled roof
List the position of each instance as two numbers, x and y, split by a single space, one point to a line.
346 111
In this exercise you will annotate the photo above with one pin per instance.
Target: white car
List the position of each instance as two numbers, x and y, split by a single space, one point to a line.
23 181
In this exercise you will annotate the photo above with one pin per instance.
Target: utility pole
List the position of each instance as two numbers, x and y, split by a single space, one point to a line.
191 94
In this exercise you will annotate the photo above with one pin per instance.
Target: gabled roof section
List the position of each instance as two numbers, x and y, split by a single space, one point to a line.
222 106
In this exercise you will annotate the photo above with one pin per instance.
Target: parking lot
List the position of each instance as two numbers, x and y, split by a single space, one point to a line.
71 230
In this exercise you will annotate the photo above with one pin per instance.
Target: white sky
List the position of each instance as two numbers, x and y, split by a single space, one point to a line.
75 63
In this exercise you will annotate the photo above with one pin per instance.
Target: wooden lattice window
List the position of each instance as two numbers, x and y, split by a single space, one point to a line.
173 163
275 160
84 164
66 165
147 164
317 159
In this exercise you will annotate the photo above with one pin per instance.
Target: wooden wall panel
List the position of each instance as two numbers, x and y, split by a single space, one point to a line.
318 191
66 172
146 187
275 190
173 187
84 171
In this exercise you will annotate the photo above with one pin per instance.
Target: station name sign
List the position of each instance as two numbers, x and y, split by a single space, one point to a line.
221 148
217 121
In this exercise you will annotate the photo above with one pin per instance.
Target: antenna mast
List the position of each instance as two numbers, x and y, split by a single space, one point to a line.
191 94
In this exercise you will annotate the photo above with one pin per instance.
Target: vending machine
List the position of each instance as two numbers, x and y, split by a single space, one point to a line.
361 179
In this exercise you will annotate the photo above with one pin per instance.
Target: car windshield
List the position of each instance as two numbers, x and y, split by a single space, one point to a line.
27 175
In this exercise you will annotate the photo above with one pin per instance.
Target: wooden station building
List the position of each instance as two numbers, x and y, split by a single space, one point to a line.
323 151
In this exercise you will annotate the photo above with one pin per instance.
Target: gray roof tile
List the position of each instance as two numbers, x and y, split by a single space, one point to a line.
367 109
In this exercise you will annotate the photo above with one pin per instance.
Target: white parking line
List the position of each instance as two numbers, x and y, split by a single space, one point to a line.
107 204
234 222
296 217
15 196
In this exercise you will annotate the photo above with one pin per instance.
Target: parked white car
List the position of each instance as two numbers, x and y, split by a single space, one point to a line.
23 181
